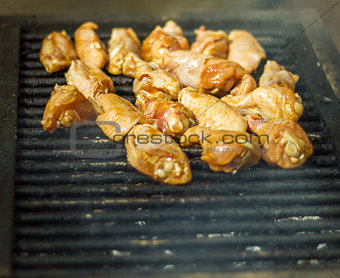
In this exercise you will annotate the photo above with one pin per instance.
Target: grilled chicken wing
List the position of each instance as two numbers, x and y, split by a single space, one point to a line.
117 110
211 112
122 42
209 75
170 117
150 81
65 107
162 40
244 86
151 152
89 47
210 42
273 73
57 52
89 80
245 50
224 150
269 103
284 142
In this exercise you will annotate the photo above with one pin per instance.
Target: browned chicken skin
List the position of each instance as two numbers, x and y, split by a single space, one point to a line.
245 50
117 110
89 80
170 117
224 150
89 47
162 40
65 107
57 52
211 112
122 42
210 42
274 74
269 103
284 142
209 75
158 156
150 81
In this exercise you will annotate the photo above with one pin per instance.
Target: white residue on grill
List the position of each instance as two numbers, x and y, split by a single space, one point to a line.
120 253
216 235
140 223
308 262
299 218
168 252
168 267
321 246
253 249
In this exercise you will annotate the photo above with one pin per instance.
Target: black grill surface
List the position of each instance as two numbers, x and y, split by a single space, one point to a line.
98 216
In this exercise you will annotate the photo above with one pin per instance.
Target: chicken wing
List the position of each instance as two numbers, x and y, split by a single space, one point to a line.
57 52
122 42
150 81
170 117
211 112
89 80
151 152
273 74
284 142
89 47
67 106
245 50
224 150
117 111
244 86
269 103
208 74
210 42
162 40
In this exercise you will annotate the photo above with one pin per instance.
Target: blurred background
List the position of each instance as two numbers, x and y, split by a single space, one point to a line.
169 8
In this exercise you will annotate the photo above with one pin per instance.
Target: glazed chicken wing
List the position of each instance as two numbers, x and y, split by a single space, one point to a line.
89 80
274 74
150 152
150 81
284 142
224 150
211 112
162 40
122 42
170 117
209 75
245 50
67 106
57 52
117 110
214 43
89 47
269 103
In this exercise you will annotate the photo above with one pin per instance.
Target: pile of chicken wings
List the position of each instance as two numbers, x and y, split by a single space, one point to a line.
200 95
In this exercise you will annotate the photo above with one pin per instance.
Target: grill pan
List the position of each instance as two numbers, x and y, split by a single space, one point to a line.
67 216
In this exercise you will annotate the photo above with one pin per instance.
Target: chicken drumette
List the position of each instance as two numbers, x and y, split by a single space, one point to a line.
210 42
274 74
89 80
203 72
119 116
122 42
268 103
170 117
284 142
89 47
245 50
224 150
211 112
67 106
158 156
57 52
